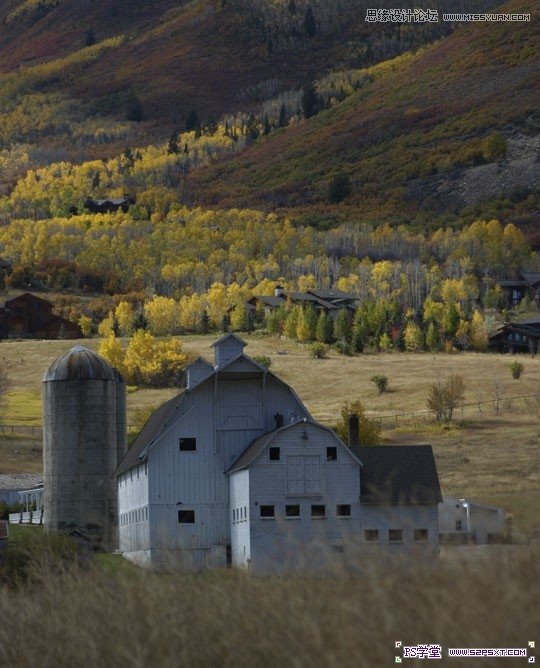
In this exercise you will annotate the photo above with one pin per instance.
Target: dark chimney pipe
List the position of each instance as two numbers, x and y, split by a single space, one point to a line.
278 418
354 431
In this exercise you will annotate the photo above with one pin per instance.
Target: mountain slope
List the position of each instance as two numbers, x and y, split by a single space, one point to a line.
409 142
210 55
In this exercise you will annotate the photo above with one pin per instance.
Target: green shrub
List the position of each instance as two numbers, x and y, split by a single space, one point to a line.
381 382
263 360
344 348
318 350
516 369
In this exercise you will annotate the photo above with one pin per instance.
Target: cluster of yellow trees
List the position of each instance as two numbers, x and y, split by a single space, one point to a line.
145 361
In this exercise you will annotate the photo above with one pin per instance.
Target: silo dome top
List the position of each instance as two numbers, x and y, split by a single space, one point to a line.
80 364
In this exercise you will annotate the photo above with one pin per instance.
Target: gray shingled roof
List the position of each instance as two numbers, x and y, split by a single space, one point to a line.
333 294
398 474
155 423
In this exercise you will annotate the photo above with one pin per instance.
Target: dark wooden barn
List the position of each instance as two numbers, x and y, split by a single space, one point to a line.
29 316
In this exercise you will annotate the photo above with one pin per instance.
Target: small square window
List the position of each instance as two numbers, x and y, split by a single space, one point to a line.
274 454
371 535
395 535
186 517
458 525
343 510
292 511
187 444
421 535
338 548
318 512
267 512
331 454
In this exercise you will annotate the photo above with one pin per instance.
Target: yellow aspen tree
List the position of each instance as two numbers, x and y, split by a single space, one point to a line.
111 349
125 316
162 315
85 323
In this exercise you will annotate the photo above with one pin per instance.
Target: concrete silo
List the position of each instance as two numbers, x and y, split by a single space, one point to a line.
84 437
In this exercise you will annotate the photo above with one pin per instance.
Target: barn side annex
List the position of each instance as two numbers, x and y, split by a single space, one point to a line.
235 470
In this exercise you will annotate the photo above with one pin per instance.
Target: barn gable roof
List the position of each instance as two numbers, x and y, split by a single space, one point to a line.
160 420
398 475
229 335
260 443
157 422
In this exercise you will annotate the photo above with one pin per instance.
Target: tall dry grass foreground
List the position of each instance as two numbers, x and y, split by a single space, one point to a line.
135 619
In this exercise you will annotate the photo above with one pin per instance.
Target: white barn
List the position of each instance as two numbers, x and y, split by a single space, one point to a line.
465 521
235 470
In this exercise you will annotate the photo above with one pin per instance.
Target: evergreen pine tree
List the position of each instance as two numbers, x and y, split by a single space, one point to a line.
433 340
342 326
204 324
339 188
282 116
90 38
310 100
192 122
172 146
310 27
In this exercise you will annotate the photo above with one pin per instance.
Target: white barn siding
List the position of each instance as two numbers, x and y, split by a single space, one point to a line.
225 417
240 515
283 544
407 518
133 513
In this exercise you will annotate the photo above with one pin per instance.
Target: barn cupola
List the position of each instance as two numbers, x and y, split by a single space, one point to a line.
227 348
198 371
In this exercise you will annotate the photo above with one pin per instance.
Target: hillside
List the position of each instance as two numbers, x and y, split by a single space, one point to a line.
210 55
413 142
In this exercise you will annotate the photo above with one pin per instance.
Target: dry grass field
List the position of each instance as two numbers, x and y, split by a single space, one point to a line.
488 455
69 616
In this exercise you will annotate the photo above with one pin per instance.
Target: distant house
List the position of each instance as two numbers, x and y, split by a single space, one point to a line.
31 317
515 290
330 301
516 337
464 521
11 485
109 205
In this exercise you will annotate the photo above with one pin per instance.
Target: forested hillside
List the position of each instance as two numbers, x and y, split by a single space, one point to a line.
266 142
444 135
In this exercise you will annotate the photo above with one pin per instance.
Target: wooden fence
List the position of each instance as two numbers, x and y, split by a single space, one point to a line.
471 409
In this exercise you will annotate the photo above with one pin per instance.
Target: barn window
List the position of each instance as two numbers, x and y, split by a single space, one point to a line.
331 453
274 454
395 535
267 512
292 510
343 510
458 525
421 535
371 535
186 517
340 549
318 512
188 444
